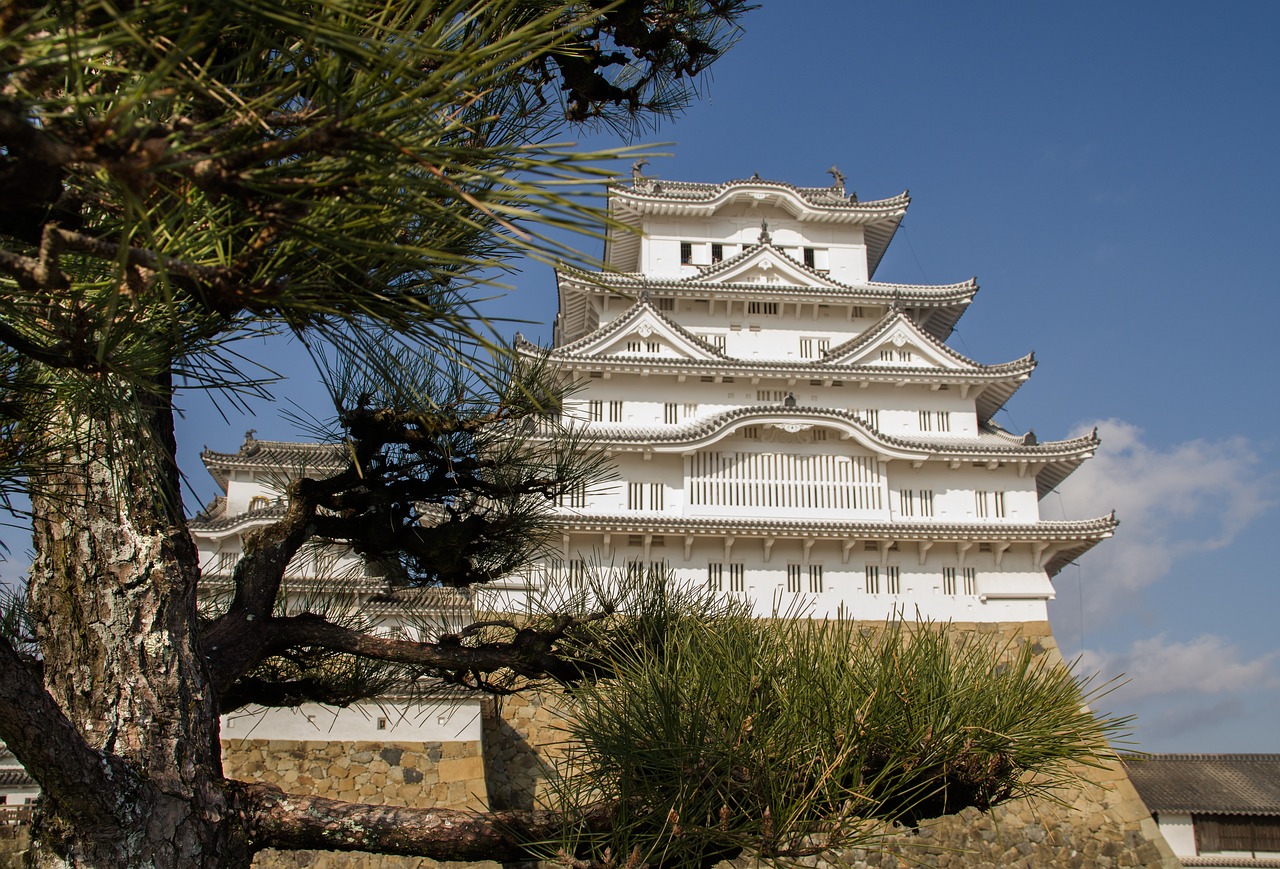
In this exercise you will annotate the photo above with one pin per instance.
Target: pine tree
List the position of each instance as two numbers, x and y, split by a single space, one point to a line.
177 177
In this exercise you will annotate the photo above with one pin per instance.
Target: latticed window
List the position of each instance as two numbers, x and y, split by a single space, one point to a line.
686 252
653 346
575 572
717 252
715 576
633 346
666 304
926 502
970 577
575 496
227 561
737 576
869 415
1248 834
948 580
769 308
671 413
893 580
872 574
815 578
794 572
595 410
615 411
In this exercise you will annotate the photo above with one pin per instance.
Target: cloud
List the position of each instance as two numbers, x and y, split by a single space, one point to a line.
1172 501
1206 665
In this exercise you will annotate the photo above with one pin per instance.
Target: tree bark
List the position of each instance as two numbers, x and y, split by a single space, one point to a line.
113 595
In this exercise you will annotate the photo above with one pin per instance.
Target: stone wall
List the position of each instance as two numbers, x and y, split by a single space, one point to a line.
447 774
1099 824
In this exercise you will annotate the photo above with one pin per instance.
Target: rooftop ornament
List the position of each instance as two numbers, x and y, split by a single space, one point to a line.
765 238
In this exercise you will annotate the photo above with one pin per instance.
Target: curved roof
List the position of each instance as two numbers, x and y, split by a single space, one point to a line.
998 382
1070 539
944 303
651 196
1056 459
277 455
1210 784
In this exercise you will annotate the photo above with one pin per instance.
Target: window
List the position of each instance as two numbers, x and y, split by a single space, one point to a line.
770 308
913 502
869 415
576 573
574 496
227 561
771 396
686 253
969 577
809 257
988 504
1242 833
893 580
855 313
815 578
808 346
872 573
751 433
717 252
259 502
715 576
935 420
891 355
716 341
794 572
595 410
737 577
666 304
633 346
645 496
615 411
653 346
671 413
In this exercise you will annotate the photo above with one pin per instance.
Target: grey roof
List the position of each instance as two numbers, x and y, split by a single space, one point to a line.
1208 784
287 456
16 777
1075 537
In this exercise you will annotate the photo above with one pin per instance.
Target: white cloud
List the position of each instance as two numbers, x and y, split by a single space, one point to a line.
1187 498
1208 664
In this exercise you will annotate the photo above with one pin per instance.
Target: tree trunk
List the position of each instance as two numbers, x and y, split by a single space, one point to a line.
113 595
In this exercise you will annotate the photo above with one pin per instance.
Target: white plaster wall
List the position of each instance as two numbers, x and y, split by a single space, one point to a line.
844 582
429 721
738 226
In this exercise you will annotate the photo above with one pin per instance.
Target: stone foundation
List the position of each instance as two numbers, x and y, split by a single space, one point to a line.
1103 824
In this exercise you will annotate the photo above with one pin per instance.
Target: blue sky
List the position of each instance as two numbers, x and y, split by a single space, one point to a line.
1109 173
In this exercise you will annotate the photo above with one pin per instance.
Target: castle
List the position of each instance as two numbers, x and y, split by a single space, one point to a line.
784 428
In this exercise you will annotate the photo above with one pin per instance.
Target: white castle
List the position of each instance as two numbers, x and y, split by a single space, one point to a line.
784 429
784 426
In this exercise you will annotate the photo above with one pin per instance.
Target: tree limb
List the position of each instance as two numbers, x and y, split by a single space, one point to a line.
86 783
288 821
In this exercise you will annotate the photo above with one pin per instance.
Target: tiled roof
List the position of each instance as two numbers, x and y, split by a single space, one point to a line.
1074 538
1223 784
16 778
644 305
988 442
697 191
278 455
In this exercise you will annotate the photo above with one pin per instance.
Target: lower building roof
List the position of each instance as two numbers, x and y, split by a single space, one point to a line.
1208 784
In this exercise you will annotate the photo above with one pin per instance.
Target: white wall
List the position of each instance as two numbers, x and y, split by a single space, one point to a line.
428 721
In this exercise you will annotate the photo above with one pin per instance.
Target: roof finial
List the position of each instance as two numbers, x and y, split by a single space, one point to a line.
644 296
837 176
765 238
636 171
790 400
249 442
755 176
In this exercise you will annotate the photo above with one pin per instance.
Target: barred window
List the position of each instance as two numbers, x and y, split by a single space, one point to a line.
872 573
576 573
737 576
870 416
671 413
666 304
815 578
893 580
686 252
574 496
948 580
794 572
595 410
615 411
970 580
717 252
715 576
770 308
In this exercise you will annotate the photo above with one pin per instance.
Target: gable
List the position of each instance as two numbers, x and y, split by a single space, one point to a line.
901 345
765 265
644 332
